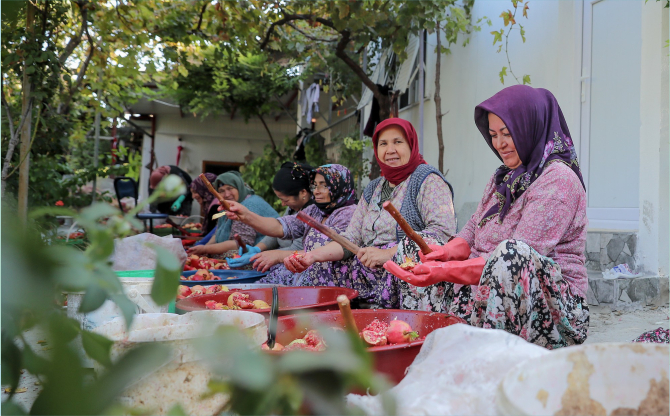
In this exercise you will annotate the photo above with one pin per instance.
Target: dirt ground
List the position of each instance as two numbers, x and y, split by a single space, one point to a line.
617 326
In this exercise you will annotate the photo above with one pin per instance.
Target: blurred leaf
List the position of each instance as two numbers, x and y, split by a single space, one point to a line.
43 211
65 328
97 212
177 410
8 406
34 363
11 363
94 297
128 308
97 347
166 278
231 356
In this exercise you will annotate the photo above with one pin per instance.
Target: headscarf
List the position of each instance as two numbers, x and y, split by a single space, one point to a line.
199 187
540 134
158 175
291 178
234 178
341 186
398 174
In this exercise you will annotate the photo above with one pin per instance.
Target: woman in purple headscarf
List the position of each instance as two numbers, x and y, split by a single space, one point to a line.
209 204
518 264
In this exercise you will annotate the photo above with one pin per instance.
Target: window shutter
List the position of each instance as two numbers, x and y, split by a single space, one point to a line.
405 71
378 77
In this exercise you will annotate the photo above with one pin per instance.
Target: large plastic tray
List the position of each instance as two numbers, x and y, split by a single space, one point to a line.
242 276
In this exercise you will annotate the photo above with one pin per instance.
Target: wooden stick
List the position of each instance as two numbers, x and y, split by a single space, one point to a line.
328 232
218 196
406 227
347 315
240 243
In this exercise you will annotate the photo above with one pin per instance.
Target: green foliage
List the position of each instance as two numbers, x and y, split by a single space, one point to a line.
509 19
351 156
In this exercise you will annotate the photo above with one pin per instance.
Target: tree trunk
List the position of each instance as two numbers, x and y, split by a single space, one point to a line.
24 168
272 141
438 102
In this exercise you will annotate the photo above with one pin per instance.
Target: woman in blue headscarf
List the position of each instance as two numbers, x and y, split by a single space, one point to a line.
231 186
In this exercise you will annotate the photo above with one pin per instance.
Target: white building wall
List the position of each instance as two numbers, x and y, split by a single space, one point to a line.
214 139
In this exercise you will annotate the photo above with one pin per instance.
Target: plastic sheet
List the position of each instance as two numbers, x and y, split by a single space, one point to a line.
457 372
133 253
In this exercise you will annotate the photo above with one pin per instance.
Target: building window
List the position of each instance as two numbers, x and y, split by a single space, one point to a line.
412 94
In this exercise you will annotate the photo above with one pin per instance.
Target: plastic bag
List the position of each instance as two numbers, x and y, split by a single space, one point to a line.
133 253
622 270
457 372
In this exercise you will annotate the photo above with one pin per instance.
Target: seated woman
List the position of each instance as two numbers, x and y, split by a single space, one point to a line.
518 264
209 204
335 203
291 185
423 197
231 186
180 205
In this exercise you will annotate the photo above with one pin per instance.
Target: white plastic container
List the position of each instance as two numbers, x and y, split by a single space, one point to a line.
184 379
596 379
138 291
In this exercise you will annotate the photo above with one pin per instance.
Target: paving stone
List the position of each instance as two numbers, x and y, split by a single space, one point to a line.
604 258
624 297
605 239
644 289
593 265
593 243
632 243
614 248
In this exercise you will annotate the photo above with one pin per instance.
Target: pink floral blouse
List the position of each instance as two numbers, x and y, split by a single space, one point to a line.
550 217
373 226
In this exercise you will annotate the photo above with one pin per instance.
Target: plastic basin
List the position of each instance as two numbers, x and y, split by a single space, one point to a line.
227 276
291 299
607 378
391 360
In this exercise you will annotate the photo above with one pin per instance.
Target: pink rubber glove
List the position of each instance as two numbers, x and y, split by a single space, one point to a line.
467 272
456 249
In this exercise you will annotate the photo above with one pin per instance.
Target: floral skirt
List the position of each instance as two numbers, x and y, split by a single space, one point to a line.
523 293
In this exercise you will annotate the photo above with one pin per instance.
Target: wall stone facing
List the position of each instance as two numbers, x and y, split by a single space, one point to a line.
606 250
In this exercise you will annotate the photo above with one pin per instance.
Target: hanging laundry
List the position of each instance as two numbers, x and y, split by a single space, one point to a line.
310 101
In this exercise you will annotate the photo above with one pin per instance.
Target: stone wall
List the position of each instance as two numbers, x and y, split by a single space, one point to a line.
605 250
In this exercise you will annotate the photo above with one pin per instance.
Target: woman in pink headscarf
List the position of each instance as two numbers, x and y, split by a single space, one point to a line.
423 197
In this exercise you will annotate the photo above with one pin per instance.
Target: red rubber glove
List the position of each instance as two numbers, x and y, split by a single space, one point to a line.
456 249
467 272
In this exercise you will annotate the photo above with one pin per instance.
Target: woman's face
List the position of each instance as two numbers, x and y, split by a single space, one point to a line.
196 196
229 193
392 147
319 190
502 142
294 202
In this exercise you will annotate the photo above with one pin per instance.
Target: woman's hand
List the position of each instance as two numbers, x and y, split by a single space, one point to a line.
237 212
373 257
198 250
467 272
263 261
298 262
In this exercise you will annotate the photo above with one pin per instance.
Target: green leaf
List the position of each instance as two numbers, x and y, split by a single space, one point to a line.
128 308
526 79
97 212
97 347
30 70
503 74
8 406
33 362
522 31
66 329
166 278
11 363
93 299
177 410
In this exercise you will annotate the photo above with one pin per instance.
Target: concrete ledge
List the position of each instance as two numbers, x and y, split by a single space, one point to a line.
628 293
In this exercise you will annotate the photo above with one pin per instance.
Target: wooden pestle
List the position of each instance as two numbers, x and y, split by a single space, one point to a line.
407 229
240 243
211 189
347 315
327 231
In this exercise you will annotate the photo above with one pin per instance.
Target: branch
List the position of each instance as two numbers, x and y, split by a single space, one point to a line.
506 42
6 175
308 36
289 18
65 107
202 13
340 53
10 118
118 13
272 141
15 138
76 40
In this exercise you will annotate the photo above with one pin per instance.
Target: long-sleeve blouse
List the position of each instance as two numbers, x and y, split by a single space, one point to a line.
274 243
550 216
373 226
294 228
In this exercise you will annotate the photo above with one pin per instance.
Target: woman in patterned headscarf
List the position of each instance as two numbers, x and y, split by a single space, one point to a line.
519 263
207 202
334 204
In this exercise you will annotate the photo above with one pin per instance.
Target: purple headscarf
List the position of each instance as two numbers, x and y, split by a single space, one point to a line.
198 186
340 184
540 134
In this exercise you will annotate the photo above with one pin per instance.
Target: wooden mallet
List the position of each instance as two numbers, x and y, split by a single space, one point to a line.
407 229
211 189
328 232
347 315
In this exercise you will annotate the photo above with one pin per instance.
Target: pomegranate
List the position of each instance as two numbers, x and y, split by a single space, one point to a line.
297 344
399 332
197 290
260 304
313 338
277 347
240 300
375 333
210 304
183 292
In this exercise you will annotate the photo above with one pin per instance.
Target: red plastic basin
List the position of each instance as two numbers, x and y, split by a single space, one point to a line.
291 299
391 360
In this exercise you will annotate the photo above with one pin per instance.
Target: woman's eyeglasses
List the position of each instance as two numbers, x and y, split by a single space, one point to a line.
322 188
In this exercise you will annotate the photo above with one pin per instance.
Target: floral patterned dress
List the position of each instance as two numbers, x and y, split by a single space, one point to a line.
534 282
294 228
372 226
